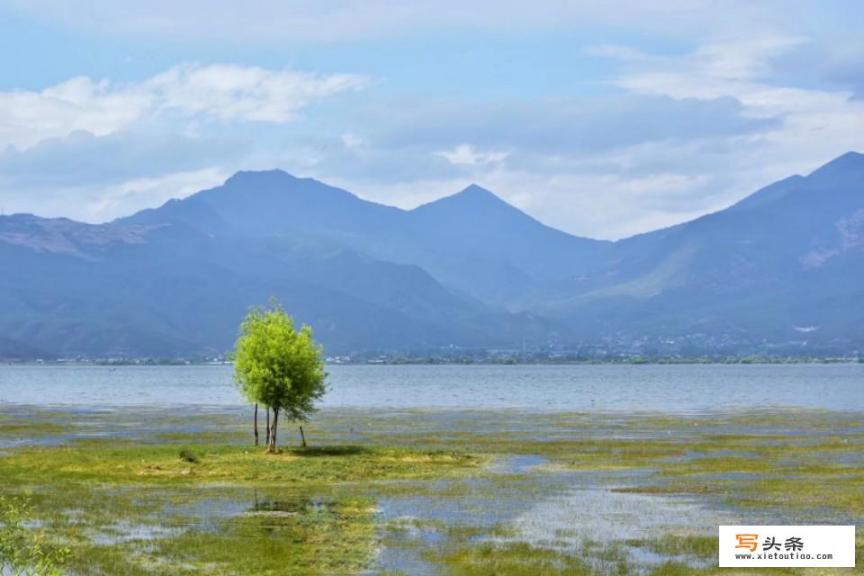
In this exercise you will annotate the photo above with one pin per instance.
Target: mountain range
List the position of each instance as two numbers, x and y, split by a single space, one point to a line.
780 272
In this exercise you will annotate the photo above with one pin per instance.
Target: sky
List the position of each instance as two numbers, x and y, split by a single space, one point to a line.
601 118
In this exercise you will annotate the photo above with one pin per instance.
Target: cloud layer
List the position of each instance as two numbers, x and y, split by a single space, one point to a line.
96 149
224 92
601 118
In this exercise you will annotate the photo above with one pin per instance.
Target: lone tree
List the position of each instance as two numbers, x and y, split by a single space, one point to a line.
278 367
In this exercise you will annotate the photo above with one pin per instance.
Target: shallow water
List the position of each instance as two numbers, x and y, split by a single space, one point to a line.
612 388
524 494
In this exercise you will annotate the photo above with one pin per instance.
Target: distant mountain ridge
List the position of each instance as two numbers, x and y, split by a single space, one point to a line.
780 272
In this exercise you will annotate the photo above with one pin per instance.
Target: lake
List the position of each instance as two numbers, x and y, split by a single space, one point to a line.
597 388
595 464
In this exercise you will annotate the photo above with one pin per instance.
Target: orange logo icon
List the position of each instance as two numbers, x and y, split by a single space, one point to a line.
749 541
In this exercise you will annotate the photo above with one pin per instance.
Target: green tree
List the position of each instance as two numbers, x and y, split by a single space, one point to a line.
278 367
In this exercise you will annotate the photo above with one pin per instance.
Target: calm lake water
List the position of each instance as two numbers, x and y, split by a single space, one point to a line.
671 388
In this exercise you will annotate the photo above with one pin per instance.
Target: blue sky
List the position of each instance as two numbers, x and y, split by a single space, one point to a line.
604 119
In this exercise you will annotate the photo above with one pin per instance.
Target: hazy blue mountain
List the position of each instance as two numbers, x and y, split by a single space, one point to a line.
473 241
163 290
781 271
781 266
477 243
274 203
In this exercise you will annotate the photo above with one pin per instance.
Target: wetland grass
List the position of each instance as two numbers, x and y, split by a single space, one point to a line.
169 497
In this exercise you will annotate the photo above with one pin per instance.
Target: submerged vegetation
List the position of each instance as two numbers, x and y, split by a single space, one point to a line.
471 493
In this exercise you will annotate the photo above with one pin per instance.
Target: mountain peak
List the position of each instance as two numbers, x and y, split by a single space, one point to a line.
848 162
476 208
259 177
478 195
472 196
476 190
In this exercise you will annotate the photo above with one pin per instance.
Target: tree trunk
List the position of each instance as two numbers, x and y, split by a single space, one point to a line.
256 424
273 448
302 437
268 428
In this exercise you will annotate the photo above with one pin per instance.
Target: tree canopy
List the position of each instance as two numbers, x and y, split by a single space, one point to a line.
278 366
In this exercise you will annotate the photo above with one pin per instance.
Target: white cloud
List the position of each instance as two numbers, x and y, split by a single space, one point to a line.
100 202
219 91
606 204
741 69
812 124
79 104
598 205
686 130
245 93
139 193
467 155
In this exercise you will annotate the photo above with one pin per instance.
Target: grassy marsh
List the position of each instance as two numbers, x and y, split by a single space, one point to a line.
465 493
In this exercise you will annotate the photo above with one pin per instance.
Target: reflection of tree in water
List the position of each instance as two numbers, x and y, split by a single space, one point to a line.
299 505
